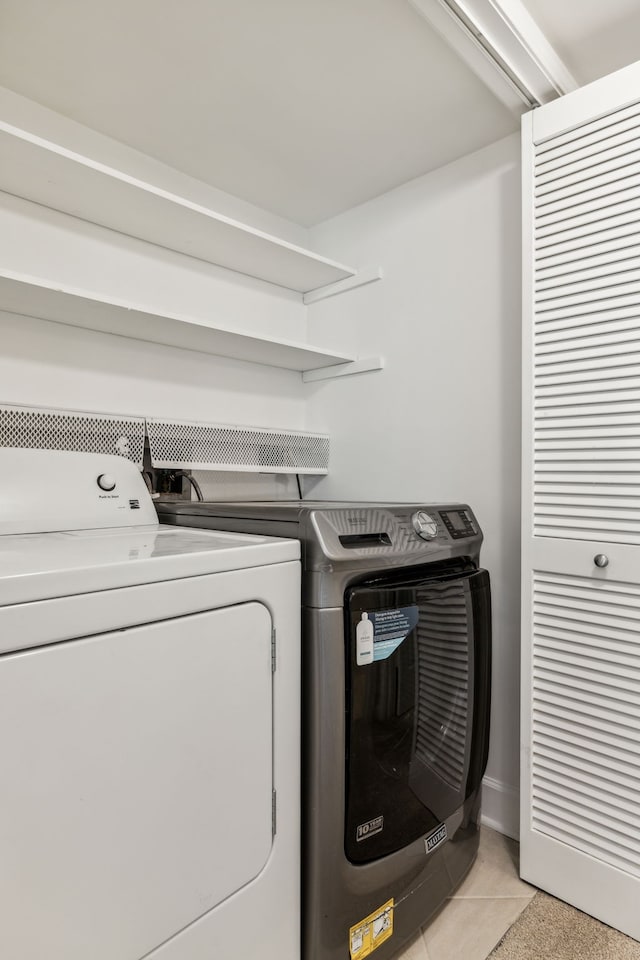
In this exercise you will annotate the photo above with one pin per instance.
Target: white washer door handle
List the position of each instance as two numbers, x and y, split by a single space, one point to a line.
601 560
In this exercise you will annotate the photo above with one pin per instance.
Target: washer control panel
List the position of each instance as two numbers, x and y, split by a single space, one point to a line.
424 525
458 523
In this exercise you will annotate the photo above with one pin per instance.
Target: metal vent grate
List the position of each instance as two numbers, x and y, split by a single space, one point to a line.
46 429
585 739
202 446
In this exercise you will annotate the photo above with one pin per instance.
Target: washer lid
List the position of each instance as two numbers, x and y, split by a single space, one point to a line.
40 566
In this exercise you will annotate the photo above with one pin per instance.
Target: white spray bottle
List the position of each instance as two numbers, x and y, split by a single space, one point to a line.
364 641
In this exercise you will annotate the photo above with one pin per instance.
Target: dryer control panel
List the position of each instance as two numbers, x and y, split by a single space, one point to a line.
43 491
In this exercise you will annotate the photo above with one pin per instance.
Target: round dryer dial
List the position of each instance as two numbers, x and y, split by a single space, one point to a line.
424 525
106 482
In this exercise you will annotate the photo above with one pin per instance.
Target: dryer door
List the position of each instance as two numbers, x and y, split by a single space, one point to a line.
136 783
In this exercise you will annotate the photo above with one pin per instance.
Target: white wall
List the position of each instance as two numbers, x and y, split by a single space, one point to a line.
53 365
40 122
50 364
442 420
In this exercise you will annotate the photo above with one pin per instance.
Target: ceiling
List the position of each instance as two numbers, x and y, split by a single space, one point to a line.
592 37
302 107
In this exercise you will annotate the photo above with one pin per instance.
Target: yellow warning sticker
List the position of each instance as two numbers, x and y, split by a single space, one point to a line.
371 932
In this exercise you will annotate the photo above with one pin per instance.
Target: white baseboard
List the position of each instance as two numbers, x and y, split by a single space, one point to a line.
501 807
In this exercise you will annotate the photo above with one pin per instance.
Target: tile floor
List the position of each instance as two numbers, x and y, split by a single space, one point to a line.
475 919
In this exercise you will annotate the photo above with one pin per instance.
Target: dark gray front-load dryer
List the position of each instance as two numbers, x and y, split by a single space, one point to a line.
396 651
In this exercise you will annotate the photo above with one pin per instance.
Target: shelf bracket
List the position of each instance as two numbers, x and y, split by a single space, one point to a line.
361 279
344 369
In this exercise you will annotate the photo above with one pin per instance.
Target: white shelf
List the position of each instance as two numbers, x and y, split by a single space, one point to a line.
362 278
34 297
41 169
364 365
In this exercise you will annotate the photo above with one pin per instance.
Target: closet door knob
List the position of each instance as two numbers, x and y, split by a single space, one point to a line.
601 560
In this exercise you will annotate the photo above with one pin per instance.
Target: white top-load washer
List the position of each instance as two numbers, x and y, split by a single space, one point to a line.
149 725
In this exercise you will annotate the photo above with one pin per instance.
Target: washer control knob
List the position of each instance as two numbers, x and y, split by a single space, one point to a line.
424 525
106 482
601 560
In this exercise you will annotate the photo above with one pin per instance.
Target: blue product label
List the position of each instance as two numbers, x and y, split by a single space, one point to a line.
390 628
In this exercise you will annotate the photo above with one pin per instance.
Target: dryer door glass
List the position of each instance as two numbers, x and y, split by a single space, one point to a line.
418 704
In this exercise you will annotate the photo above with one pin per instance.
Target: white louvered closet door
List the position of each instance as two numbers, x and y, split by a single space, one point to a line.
580 823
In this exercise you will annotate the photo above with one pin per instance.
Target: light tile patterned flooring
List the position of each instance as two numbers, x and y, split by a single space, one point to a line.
481 911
